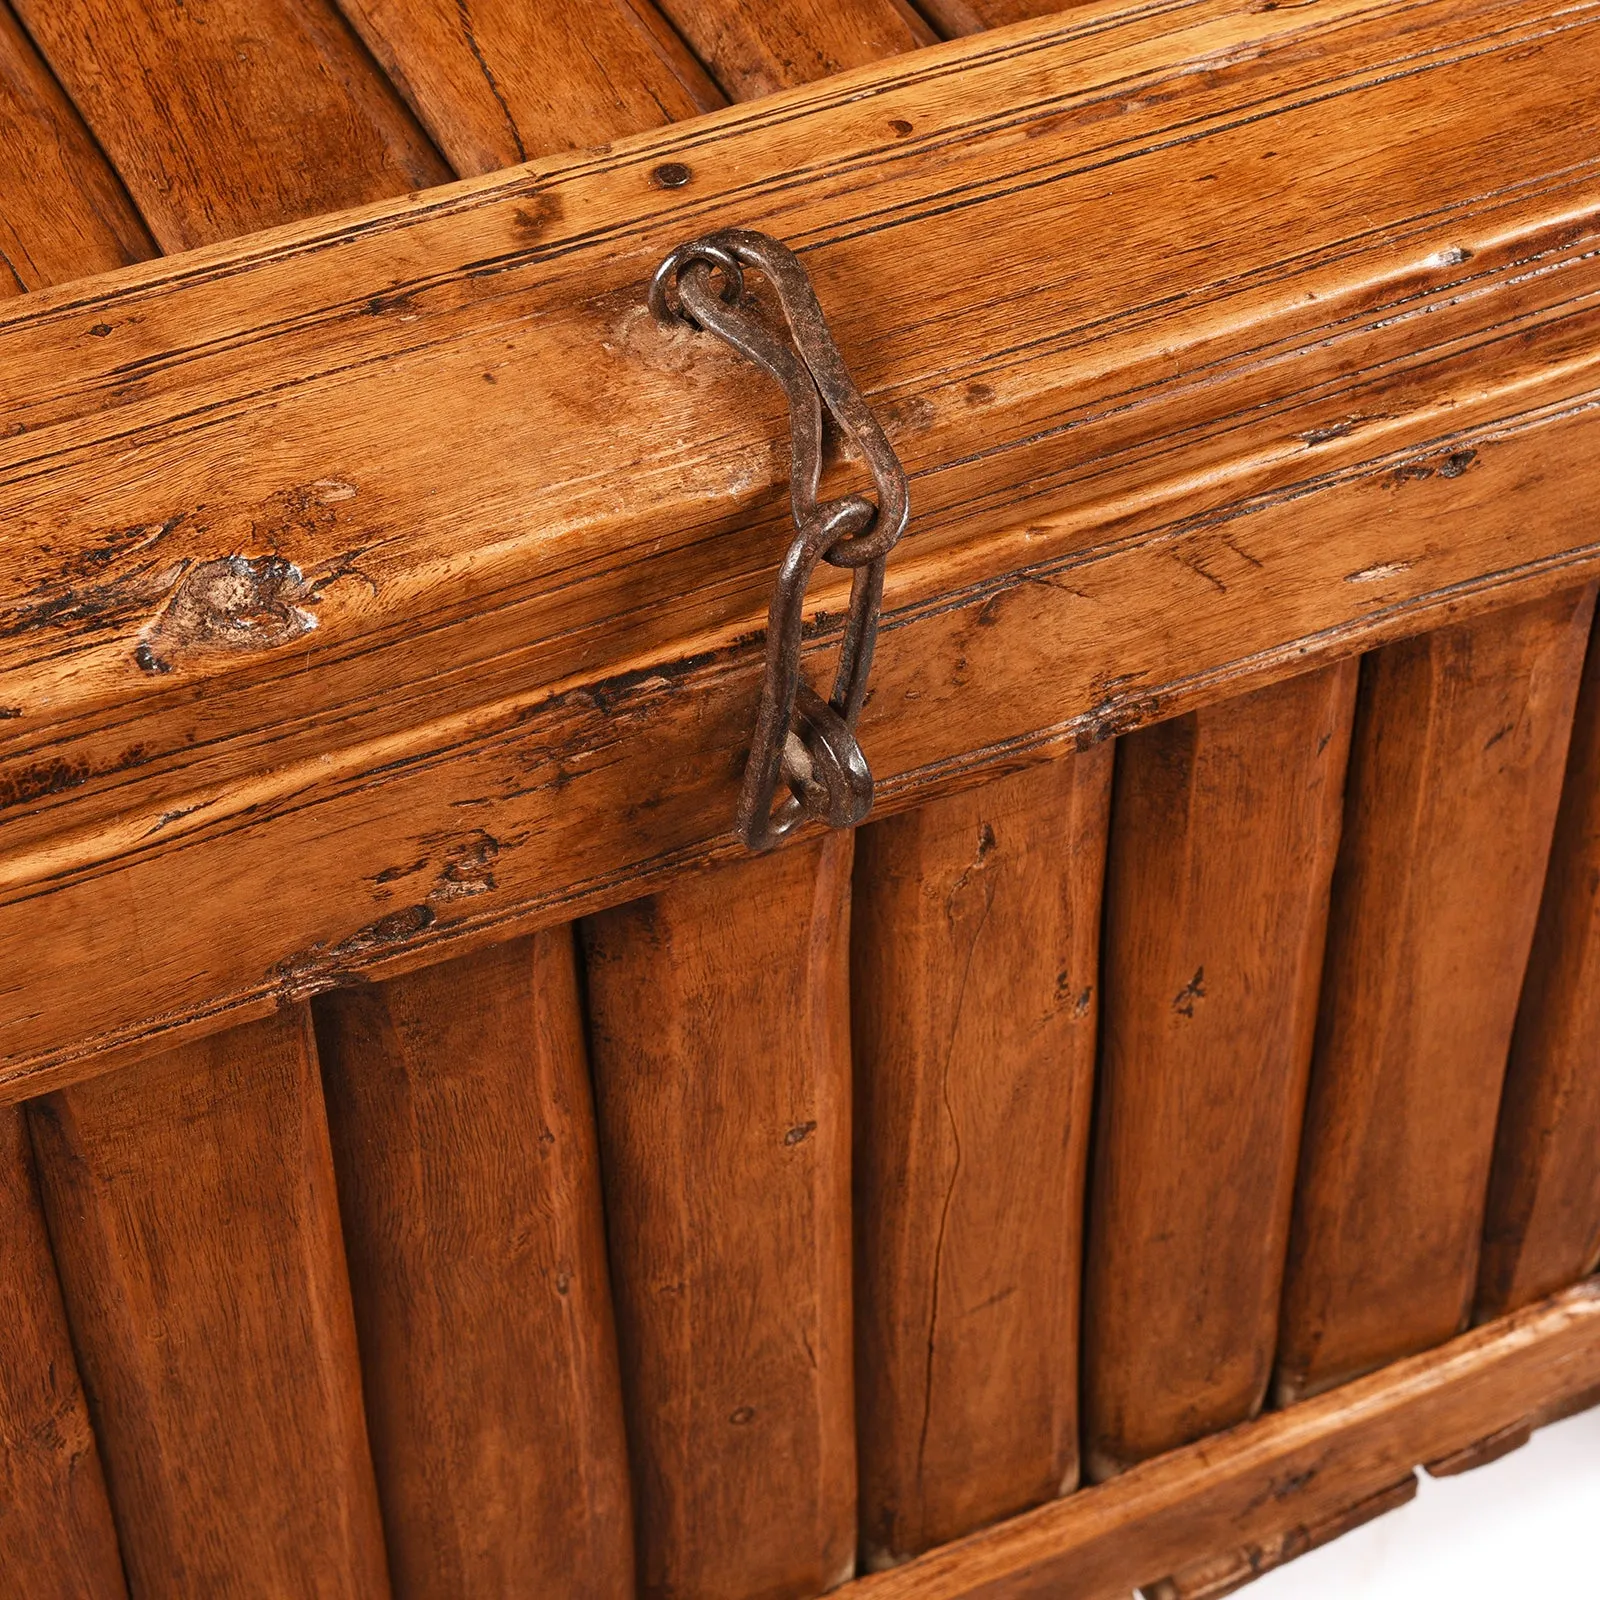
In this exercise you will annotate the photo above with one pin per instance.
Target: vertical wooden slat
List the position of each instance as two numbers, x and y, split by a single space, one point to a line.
1542 1226
975 986
1223 840
56 1536
1224 831
501 81
191 1203
719 1016
1455 772
224 116
754 48
464 1139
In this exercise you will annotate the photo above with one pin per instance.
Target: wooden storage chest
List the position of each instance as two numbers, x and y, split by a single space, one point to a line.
436 1157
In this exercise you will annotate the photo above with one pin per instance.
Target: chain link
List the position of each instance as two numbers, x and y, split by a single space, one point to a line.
803 744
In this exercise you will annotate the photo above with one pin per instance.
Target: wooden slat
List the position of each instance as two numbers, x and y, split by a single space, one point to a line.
1291 1470
956 17
1542 1225
191 1202
283 86
754 48
57 1541
975 988
1223 840
1455 773
1234 460
498 81
463 1134
1216 1576
719 1017
63 215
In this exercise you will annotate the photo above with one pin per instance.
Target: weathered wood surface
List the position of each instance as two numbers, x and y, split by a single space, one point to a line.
759 1499
1456 766
1216 1576
463 1135
754 48
501 80
956 17
57 1541
1221 453
465 1129
279 89
63 214
1291 1470
1541 1230
1223 839
196 1229
974 993
719 1016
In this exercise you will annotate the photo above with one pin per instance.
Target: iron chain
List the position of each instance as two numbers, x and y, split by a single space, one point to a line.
803 744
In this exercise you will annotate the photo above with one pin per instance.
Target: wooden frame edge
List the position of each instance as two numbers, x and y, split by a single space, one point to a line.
1298 1469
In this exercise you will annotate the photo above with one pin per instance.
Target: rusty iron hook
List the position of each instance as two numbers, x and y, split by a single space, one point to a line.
801 741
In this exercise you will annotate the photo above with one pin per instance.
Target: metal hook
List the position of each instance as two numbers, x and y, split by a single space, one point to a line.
803 742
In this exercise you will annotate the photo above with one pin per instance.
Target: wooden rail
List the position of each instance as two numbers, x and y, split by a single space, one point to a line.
1270 1485
379 581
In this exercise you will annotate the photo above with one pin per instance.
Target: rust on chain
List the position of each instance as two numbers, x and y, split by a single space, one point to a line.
804 760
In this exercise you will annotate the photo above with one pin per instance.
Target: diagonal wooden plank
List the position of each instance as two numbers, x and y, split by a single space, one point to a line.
201 76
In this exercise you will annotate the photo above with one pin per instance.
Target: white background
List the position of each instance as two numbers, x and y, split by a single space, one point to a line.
1524 1525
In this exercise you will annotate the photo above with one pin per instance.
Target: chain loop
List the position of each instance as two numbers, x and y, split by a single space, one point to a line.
802 742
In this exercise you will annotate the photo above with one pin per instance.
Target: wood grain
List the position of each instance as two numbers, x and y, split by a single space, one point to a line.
754 49
497 81
191 1203
280 89
1455 773
719 1028
974 992
954 18
1289 1470
1223 839
507 1469
711 1521
1542 1225
1331 385
63 215
57 1541
1216 1576
463 1133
